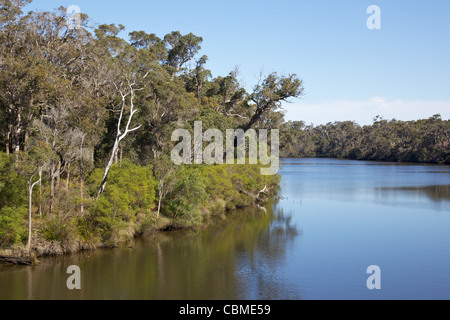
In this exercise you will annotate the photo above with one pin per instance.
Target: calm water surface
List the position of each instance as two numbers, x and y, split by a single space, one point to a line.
331 220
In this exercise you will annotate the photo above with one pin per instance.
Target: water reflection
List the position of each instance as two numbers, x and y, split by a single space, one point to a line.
263 271
435 193
233 259
353 216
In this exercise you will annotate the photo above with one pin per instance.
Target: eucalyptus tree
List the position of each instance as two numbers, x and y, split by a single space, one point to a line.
269 95
31 165
21 72
127 91
197 78
182 49
231 97
126 77
151 45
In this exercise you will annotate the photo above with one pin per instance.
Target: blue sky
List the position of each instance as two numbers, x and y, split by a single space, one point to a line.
350 72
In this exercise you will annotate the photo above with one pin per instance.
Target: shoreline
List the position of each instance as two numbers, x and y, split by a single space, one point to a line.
387 162
19 256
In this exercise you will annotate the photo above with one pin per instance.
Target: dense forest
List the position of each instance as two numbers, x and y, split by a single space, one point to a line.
422 141
87 119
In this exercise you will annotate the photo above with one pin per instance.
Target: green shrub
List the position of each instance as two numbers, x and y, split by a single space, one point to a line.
13 228
188 196
59 230
13 188
89 237
130 191
217 207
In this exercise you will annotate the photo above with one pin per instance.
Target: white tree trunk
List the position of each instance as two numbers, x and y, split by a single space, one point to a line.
159 204
81 174
108 168
30 204
119 136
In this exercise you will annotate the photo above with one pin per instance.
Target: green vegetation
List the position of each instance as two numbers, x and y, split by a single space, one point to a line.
12 226
86 119
422 141
86 123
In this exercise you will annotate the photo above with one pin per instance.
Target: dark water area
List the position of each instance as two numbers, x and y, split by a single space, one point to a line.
330 221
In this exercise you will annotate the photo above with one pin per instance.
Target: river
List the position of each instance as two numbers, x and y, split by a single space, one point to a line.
331 220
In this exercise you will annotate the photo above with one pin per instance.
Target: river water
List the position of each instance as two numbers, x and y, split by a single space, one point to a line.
331 220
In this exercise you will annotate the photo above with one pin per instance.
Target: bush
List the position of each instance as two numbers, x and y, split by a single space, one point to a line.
13 188
217 207
237 185
130 191
13 228
59 230
188 196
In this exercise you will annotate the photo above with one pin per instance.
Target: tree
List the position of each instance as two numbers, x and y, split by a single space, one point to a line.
269 95
31 164
182 49
164 173
197 78
230 97
150 44
120 135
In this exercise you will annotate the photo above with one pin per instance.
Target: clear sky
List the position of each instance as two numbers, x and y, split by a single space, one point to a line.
401 71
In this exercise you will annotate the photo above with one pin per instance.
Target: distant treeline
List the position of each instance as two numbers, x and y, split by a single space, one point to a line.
422 141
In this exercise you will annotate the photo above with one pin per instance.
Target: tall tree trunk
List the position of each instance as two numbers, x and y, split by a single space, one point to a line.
81 175
52 190
153 142
30 198
159 205
116 159
17 131
108 168
81 194
8 139
25 139
68 177
30 205
58 174
40 197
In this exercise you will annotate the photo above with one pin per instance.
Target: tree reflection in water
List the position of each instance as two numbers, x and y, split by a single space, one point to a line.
437 194
262 270
236 258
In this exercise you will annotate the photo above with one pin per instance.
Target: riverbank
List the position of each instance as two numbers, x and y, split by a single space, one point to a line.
381 161
135 202
19 255
125 236
328 213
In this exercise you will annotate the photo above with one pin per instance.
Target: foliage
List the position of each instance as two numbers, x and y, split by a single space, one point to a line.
188 196
131 190
58 229
12 226
12 186
421 141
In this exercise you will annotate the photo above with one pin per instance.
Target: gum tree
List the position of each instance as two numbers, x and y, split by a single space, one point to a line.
31 165
269 95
